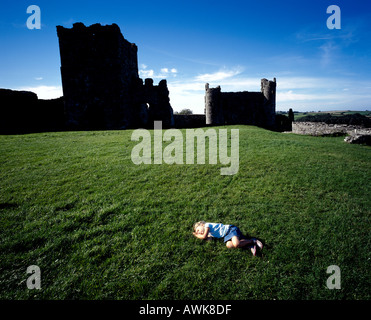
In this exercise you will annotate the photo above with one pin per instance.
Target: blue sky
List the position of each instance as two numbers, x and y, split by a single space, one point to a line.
228 43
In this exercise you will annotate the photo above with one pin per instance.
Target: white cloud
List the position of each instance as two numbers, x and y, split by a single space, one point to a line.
218 76
286 83
187 94
45 92
328 53
167 70
291 96
150 73
328 95
38 78
146 73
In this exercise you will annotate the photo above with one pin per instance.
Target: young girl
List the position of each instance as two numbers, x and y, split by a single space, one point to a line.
232 235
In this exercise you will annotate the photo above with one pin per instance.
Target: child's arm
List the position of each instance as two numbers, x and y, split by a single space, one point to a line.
202 236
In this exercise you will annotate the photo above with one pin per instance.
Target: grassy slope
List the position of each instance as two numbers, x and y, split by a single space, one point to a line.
101 227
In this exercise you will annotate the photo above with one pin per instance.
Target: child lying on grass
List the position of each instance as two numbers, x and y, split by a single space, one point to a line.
232 235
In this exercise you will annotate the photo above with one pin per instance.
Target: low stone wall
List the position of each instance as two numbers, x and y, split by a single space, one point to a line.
323 129
189 121
355 134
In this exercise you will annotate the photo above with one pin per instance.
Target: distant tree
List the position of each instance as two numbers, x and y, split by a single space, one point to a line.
291 115
185 111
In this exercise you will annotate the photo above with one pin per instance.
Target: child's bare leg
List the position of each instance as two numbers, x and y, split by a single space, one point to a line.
240 243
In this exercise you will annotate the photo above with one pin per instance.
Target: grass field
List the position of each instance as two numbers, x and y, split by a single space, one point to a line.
100 227
298 115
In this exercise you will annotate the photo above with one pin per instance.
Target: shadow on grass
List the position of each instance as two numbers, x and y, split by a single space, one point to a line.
8 205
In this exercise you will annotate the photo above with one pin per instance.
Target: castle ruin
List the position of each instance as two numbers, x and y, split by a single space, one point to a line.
250 108
102 90
100 81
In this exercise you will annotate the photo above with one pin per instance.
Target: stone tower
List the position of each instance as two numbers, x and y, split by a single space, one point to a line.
213 106
98 67
268 88
101 85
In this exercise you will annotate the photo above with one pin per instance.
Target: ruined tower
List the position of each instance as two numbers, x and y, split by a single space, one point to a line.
268 88
213 107
97 66
100 80
252 108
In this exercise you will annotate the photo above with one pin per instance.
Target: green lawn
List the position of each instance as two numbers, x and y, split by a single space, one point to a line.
100 227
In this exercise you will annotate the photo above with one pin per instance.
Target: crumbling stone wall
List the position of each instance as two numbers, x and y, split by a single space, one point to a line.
252 108
324 129
158 103
23 112
355 134
100 80
189 120
16 110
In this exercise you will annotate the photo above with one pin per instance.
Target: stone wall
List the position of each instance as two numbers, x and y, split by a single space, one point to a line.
251 108
243 108
283 123
189 120
323 129
154 99
355 134
23 112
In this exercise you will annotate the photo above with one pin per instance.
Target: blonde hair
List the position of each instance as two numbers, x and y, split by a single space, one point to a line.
199 223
